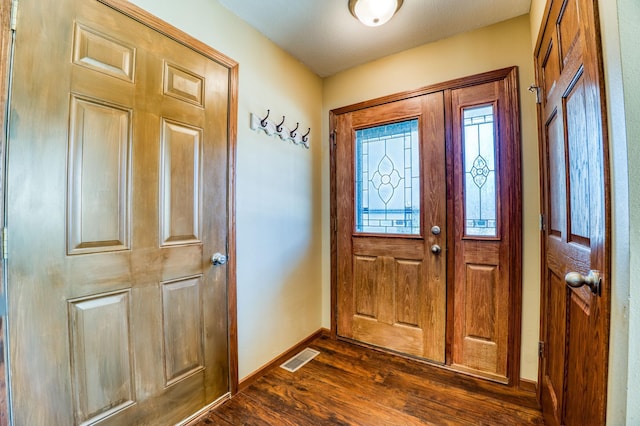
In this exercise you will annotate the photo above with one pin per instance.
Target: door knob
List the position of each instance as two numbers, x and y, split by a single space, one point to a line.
435 249
218 259
577 280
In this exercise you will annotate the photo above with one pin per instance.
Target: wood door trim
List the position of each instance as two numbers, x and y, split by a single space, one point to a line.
510 75
166 29
457 83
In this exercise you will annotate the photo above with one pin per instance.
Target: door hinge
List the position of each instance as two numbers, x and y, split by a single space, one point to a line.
5 243
14 14
335 225
542 222
540 349
333 137
533 88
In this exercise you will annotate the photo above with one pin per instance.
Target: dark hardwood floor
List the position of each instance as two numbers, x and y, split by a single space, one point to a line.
350 385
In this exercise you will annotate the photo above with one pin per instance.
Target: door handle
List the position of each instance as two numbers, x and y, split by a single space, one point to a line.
218 259
435 249
577 280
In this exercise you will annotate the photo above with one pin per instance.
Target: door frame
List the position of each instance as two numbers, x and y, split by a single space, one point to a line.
509 74
164 28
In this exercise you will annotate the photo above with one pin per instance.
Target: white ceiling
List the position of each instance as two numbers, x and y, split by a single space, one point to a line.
323 34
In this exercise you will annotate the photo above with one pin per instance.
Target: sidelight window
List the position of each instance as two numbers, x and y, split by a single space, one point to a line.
387 179
479 148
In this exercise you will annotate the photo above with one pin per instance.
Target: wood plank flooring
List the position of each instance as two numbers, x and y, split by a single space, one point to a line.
350 385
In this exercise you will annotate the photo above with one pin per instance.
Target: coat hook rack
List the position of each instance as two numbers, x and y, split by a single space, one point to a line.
271 128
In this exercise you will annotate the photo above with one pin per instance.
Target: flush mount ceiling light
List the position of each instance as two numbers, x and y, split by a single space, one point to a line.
374 12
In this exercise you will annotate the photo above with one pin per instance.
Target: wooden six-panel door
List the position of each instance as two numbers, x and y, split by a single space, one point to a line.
117 199
575 301
391 214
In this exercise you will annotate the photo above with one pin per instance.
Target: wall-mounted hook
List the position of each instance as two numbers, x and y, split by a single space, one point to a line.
263 122
305 137
293 132
535 89
279 126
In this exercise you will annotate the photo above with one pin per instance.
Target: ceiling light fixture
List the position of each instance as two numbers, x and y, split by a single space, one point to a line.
374 12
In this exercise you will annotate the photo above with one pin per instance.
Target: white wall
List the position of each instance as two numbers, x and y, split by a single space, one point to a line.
278 184
620 33
498 46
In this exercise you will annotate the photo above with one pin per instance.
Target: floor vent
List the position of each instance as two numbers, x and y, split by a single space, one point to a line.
299 360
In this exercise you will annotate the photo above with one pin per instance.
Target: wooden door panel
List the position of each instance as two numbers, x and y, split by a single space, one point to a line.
407 278
103 53
180 183
391 292
182 328
568 31
578 164
553 381
118 129
557 177
487 233
365 270
98 213
99 355
183 84
574 324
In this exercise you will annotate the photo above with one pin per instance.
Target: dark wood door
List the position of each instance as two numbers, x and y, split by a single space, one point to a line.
117 196
485 302
391 226
575 301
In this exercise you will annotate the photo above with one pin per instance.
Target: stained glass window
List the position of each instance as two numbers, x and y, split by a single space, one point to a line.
480 172
387 179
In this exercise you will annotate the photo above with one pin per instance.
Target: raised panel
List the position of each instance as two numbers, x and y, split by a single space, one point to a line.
557 180
408 302
101 355
578 163
98 177
550 68
480 302
180 183
402 338
100 52
182 84
568 27
364 280
182 328
555 339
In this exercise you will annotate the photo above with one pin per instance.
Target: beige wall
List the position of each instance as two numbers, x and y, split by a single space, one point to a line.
498 46
278 184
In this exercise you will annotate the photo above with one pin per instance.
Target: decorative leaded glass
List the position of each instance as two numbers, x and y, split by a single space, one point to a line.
387 179
480 172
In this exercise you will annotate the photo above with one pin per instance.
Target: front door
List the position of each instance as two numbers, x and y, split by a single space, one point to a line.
391 226
117 199
576 281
